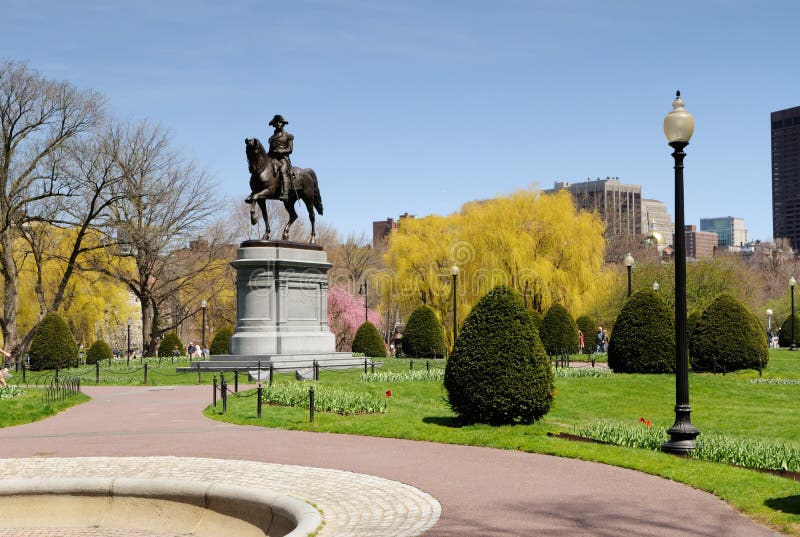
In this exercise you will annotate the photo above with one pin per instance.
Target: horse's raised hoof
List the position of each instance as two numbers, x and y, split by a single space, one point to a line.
253 219
265 237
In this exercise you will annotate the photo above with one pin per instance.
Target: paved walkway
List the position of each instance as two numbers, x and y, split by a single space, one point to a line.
482 492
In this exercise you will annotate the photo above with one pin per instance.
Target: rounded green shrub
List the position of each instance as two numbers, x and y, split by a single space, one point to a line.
558 331
53 344
171 341
369 341
498 372
423 336
728 337
221 342
785 338
691 322
643 340
588 325
98 351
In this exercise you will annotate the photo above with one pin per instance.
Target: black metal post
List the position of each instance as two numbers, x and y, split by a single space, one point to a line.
235 381
629 280
316 370
365 366
793 346
214 399
311 404
203 331
682 433
258 405
145 373
224 391
271 372
97 372
199 378
455 309
129 344
365 289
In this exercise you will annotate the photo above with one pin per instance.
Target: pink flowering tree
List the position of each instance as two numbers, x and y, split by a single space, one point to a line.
345 315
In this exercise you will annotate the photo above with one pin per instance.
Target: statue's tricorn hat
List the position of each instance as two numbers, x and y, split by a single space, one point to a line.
278 119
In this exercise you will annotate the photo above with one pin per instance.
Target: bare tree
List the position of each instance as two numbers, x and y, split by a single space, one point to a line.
165 202
39 119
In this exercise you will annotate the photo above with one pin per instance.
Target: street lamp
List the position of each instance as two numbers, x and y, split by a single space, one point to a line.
454 271
130 322
678 127
769 319
203 305
792 281
363 289
629 264
656 287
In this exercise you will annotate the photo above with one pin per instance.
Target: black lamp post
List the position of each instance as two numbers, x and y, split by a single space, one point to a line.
128 355
678 127
454 271
792 282
203 305
629 264
364 290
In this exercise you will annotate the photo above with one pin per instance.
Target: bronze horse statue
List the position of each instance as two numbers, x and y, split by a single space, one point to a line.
265 185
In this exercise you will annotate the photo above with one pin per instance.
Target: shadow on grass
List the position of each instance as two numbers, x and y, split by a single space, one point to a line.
444 421
789 504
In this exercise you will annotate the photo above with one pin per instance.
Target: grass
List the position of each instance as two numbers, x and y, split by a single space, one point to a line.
29 407
731 405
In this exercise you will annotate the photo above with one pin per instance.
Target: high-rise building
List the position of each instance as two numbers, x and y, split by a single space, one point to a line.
786 175
699 243
619 205
729 229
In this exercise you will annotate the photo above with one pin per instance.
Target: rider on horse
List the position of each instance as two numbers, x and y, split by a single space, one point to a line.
281 144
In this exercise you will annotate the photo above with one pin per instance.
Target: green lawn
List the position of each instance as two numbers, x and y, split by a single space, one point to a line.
729 404
30 407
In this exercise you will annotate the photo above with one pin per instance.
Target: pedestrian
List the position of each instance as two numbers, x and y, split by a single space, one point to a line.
598 339
605 340
580 340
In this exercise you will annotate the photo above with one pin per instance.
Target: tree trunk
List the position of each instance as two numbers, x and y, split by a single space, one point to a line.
8 268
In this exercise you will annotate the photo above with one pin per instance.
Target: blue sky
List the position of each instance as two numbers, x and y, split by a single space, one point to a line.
421 106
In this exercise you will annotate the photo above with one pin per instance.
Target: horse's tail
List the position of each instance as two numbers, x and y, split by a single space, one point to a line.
317 195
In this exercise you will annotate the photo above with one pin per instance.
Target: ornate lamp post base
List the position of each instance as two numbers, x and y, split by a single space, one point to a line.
682 434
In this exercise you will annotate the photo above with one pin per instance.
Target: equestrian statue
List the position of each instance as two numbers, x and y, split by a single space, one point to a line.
272 177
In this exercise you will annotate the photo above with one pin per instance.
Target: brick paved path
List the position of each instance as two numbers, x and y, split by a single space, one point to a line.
482 492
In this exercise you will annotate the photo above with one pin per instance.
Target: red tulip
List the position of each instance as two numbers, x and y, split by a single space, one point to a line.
388 393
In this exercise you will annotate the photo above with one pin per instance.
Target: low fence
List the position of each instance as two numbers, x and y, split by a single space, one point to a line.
61 389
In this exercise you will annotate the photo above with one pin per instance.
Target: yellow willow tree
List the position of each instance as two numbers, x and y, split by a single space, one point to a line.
93 305
538 244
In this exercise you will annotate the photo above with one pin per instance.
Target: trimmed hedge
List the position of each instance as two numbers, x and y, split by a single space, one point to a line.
588 325
498 372
170 341
728 337
98 351
559 332
536 317
785 338
644 336
221 342
369 341
423 336
53 344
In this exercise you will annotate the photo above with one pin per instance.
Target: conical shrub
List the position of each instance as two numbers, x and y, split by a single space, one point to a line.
643 340
498 372
171 341
369 341
53 345
785 339
728 337
423 336
98 351
558 331
221 342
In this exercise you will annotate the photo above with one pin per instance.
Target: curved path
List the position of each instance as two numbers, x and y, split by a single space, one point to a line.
482 491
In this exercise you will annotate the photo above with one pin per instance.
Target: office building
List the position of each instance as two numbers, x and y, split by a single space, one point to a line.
699 243
619 205
381 230
786 175
729 229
